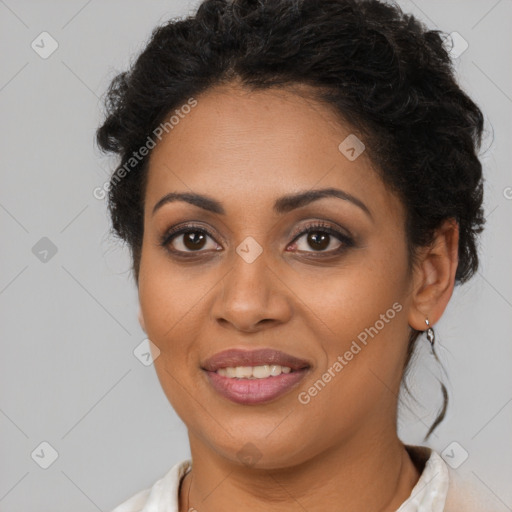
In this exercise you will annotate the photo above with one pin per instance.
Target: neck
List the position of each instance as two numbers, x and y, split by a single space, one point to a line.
377 476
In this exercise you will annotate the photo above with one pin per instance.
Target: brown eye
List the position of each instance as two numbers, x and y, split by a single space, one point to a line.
322 238
194 240
318 241
187 239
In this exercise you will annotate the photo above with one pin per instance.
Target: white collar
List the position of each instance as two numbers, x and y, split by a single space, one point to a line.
430 492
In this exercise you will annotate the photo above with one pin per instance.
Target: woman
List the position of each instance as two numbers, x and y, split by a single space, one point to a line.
300 189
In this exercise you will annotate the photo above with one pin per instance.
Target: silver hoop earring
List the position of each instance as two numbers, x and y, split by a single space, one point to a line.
431 337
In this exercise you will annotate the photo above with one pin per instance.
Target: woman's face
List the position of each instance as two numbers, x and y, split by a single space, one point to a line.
248 276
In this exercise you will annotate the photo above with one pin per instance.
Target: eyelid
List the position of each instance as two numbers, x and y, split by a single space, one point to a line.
346 239
323 224
181 229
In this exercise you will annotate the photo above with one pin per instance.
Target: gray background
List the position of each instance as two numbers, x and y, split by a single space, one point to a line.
69 326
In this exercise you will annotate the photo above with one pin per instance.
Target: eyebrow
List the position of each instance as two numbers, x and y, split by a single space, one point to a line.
282 205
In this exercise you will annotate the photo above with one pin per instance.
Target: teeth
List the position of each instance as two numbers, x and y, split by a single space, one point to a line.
253 372
243 372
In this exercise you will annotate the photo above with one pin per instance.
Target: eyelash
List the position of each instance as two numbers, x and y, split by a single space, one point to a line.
319 227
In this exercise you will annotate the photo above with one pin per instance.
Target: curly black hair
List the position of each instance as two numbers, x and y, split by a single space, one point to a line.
381 71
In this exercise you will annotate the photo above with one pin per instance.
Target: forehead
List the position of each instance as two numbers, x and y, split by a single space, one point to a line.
249 146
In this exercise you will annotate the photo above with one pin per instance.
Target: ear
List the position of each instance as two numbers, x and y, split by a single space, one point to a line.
434 276
141 320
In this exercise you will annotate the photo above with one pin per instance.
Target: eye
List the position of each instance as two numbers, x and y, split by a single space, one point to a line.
319 237
189 238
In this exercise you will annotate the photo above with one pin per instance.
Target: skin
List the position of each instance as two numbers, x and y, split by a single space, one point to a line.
246 149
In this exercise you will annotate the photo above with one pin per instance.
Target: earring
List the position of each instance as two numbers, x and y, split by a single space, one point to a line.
431 337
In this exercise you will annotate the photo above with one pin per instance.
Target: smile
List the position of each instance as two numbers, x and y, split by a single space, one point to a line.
251 390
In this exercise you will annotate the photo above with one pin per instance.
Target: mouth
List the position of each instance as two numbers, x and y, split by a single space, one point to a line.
254 377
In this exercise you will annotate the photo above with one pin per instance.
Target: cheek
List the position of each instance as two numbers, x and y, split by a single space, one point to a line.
360 317
364 345
164 299
167 304
165 293
353 297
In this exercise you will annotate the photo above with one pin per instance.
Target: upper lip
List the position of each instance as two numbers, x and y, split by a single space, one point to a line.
239 357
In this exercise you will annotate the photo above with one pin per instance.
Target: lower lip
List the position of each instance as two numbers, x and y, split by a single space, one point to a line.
255 391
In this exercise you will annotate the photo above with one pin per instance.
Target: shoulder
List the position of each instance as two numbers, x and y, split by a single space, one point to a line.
162 495
442 488
466 494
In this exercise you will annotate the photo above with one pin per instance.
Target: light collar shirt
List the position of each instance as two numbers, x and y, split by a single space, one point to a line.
435 491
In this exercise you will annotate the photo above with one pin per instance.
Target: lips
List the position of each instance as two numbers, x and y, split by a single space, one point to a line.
238 357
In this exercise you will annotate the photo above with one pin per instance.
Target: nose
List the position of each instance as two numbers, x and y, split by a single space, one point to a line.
252 296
